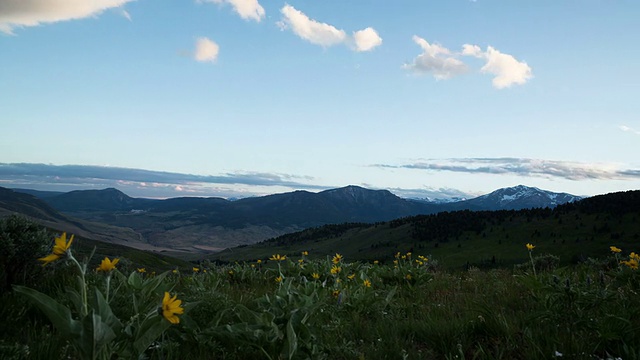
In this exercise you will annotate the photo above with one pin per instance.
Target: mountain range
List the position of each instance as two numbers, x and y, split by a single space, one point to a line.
193 224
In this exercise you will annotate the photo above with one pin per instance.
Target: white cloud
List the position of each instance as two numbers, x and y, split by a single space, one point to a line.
308 29
206 50
366 39
507 70
21 13
324 34
247 9
436 59
628 129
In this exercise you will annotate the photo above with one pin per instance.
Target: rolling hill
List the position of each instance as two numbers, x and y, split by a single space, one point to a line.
573 231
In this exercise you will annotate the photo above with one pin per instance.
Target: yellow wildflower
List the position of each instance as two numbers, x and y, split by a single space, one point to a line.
408 276
253 265
336 270
107 264
230 272
171 308
614 249
375 262
352 276
397 255
278 257
367 283
632 264
59 249
259 261
279 279
305 253
195 269
142 270
530 247
404 257
634 256
337 258
300 261
316 276
335 293
409 254
175 271
395 262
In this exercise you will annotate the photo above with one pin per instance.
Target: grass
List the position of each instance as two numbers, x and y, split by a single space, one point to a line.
411 311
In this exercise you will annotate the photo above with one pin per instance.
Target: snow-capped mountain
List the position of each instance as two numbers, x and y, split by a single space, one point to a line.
519 197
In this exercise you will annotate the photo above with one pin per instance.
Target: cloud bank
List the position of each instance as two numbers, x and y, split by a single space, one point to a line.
247 9
442 63
206 50
23 13
523 167
324 34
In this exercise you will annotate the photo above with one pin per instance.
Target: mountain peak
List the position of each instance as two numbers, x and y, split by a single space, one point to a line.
521 197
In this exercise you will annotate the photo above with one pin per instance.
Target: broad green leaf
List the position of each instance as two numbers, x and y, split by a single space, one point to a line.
59 314
135 280
152 327
292 338
104 310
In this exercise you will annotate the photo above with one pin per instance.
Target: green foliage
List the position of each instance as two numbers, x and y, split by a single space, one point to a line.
21 241
299 308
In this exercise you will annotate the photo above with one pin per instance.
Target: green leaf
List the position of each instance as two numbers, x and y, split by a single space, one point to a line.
152 327
135 280
59 314
104 310
292 338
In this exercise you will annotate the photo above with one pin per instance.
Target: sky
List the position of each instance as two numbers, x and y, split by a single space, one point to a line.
235 98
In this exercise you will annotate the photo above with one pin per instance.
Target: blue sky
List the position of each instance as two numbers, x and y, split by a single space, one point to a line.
244 97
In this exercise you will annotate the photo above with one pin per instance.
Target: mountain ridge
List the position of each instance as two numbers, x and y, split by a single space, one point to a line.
212 223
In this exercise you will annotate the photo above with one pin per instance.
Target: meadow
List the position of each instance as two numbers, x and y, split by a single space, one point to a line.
328 307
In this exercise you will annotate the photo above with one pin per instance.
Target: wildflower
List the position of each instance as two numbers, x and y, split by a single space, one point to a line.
335 293
278 257
408 276
59 249
175 271
300 261
142 270
107 264
367 283
530 247
395 262
335 270
376 262
230 272
305 253
409 254
631 263
634 256
352 276
337 258
259 261
614 249
171 307
316 276
397 255
279 279
253 265
195 269
404 257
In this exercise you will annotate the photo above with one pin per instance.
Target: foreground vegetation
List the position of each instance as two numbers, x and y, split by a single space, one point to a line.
297 308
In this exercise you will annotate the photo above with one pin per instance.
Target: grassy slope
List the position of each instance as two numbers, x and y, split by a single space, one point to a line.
571 236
